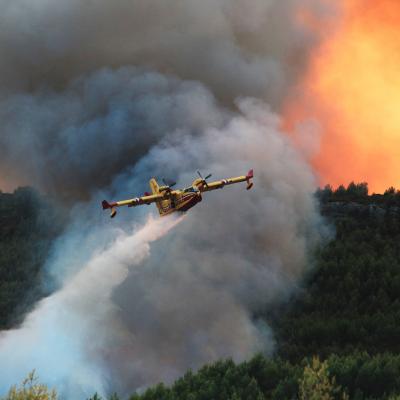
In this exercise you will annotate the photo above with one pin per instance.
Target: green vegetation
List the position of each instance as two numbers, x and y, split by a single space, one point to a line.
28 224
350 302
31 389
316 383
358 376
347 313
337 338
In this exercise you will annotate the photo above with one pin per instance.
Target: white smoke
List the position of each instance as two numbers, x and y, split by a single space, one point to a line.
68 332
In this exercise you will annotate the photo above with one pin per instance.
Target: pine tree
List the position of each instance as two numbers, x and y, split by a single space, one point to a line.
316 383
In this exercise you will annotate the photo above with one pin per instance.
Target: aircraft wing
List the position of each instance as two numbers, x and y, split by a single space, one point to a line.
137 201
206 187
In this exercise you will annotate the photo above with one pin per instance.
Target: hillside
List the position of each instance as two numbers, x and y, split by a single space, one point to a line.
346 312
28 225
350 302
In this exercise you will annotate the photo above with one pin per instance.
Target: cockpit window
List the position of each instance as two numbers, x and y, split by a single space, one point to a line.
190 189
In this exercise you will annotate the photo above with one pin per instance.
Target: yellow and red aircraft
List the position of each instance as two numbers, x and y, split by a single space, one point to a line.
169 201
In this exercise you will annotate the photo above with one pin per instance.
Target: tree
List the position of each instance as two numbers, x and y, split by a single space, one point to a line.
390 191
357 189
316 383
95 397
30 389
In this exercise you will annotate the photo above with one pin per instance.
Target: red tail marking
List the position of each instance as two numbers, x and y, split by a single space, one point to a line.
107 205
249 176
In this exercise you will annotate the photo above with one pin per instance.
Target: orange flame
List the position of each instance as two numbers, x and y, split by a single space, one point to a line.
352 89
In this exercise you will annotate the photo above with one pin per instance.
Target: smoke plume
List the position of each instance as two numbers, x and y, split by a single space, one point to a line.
235 48
73 322
98 97
54 107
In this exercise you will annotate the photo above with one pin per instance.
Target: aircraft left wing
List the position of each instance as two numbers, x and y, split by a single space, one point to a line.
137 201
205 187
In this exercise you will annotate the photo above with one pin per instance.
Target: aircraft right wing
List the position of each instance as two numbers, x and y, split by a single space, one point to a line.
206 187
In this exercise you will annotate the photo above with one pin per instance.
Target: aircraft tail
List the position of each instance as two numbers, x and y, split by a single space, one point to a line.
106 205
155 189
249 177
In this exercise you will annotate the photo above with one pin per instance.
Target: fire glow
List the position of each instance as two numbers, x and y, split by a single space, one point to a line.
352 89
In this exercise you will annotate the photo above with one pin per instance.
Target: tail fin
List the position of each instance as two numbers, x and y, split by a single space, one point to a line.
249 176
155 189
106 205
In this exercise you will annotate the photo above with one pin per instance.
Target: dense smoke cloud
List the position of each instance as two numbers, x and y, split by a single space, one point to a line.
77 140
237 251
97 98
237 48
192 300
234 48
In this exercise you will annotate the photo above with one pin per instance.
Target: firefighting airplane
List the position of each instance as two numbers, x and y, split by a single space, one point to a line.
169 201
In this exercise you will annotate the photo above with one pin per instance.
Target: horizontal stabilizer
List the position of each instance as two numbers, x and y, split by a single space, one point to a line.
106 205
249 176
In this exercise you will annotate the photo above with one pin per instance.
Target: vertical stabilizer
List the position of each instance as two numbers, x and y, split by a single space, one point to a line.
155 189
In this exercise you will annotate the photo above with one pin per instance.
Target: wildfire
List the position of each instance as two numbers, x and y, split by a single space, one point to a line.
352 89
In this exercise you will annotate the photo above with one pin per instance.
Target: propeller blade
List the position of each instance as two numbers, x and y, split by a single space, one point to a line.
204 179
168 183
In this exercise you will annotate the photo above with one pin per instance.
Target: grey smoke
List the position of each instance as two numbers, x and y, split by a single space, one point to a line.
193 298
236 47
232 47
96 98
73 142
236 251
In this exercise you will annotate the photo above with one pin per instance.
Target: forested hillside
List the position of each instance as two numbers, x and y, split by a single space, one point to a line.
28 224
346 313
351 301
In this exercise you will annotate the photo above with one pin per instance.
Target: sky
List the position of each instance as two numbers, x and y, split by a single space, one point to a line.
351 91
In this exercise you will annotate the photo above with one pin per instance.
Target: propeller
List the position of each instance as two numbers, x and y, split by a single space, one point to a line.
169 183
204 179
